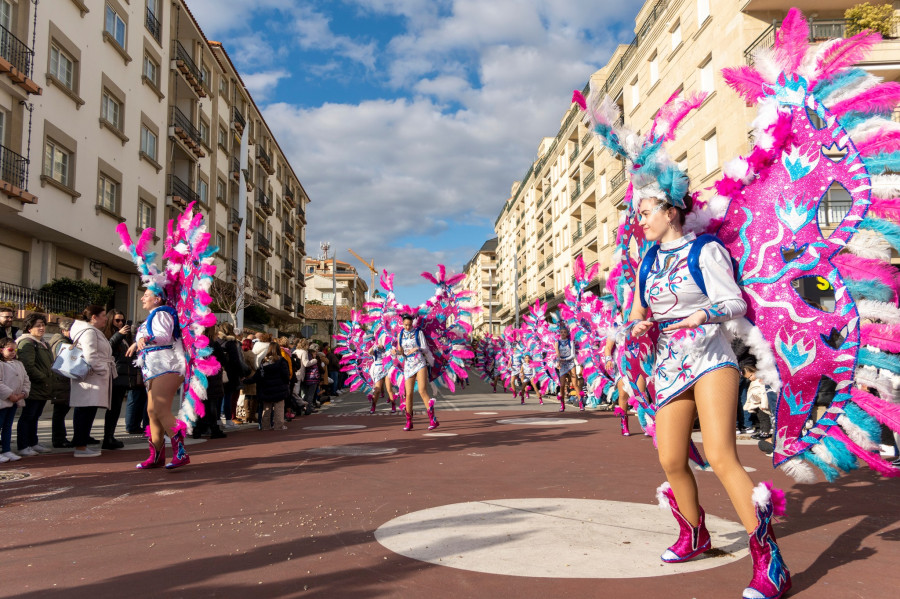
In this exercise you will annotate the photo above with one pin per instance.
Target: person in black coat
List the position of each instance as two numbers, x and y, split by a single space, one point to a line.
215 391
127 377
235 370
273 384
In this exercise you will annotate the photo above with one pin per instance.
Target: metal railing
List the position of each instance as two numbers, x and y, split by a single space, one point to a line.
238 118
590 225
287 302
235 217
287 265
184 56
818 31
587 136
576 192
40 301
13 168
264 202
179 119
262 286
16 52
574 154
589 179
263 155
616 181
263 244
234 267
177 187
153 26
579 233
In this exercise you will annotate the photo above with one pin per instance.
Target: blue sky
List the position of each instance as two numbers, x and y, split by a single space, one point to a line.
407 121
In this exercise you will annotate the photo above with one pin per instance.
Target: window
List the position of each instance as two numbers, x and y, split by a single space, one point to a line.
654 69
115 26
62 66
605 233
204 75
6 14
706 76
220 189
223 138
223 87
107 192
203 191
204 132
676 35
711 150
146 216
148 142
111 110
702 11
56 162
682 163
834 206
220 243
151 70
635 94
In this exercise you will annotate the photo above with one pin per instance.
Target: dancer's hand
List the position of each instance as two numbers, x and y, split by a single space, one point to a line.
693 321
608 364
641 328
131 349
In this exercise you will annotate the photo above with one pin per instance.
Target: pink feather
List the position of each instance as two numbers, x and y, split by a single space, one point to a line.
675 110
122 230
886 209
456 279
593 272
442 272
872 459
862 269
779 502
746 81
792 40
846 52
881 98
578 98
430 277
578 268
883 336
883 141
886 413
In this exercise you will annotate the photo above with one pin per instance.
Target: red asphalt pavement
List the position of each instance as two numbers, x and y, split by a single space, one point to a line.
256 515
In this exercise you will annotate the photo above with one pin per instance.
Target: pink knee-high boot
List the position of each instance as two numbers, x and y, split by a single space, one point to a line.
157 457
371 399
409 422
771 578
692 540
179 455
432 419
623 415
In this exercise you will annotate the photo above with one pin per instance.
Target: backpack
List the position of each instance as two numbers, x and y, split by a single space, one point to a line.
693 263
176 329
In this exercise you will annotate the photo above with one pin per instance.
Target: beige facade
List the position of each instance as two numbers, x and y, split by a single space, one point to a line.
140 115
482 280
570 200
350 289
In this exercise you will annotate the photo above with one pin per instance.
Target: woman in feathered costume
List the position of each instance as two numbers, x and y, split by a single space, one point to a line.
686 288
412 348
170 345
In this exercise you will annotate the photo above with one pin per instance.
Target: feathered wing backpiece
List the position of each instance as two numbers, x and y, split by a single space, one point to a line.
185 281
823 128
537 338
352 344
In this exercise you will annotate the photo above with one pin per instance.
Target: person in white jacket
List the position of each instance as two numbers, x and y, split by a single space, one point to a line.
94 390
14 388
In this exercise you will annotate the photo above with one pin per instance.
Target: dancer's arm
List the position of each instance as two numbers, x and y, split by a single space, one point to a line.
721 288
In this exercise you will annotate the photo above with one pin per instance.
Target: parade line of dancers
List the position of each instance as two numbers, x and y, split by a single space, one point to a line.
690 276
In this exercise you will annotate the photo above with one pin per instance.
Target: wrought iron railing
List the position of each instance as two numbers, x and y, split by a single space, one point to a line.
234 270
16 52
287 265
579 233
818 31
179 119
40 301
177 187
616 181
262 243
13 167
590 225
262 286
184 56
589 179
153 26
238 117
264 202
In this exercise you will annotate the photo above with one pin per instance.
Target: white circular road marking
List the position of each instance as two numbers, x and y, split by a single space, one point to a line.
542 421
334 427
555 538
439 434
352 450
486 413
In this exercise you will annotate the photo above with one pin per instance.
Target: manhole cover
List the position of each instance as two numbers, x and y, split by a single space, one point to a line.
8 477
352 450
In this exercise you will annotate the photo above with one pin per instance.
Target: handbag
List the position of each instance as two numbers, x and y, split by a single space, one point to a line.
70 361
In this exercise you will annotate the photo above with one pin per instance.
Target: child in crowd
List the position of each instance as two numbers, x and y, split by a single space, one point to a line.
758 403
14 388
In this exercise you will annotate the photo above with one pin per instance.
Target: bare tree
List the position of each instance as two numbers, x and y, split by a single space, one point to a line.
226 298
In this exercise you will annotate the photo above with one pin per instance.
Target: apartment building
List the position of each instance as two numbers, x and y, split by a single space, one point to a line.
482 280
347 286
140 115
569 202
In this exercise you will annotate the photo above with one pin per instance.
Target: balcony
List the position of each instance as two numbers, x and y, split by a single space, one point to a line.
264 203
578 234
591 224
180 192
235 220
287 303
14 176
289 197
288 231
301 213
262 288
263 245
153 26
616 181
184 63
232 269
287 267
301 246
16 61
588 180
265 160
181 127
576 192
819 30
574 154
238 120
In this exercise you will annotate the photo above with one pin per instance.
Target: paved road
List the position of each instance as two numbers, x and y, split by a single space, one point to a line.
490 509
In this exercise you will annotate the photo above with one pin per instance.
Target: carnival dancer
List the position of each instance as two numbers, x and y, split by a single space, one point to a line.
528 379
160 355
171 347
412 347
568 377
380 382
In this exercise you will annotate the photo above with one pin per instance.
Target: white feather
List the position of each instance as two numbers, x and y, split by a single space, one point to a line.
884 381
878 311
660 495
736 168
765 62
766 369
822 453
886 186
799 470
856 434
867 243
872 126
854 88
762 496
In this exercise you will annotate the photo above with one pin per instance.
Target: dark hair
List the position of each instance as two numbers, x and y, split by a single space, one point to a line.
32 319
6 309
688 200
111 328
6 341
407 316
92 310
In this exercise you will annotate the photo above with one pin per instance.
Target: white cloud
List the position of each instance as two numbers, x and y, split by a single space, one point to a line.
262 84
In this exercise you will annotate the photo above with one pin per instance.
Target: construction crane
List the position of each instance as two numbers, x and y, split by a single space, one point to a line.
371 268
